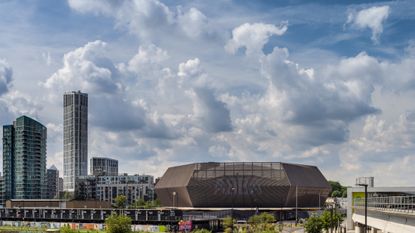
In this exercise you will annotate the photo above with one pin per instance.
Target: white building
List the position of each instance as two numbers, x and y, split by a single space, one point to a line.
134 187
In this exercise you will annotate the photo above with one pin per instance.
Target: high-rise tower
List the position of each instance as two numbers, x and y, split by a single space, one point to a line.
75 138
24 159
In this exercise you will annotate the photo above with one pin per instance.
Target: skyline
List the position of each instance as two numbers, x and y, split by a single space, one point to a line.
175 82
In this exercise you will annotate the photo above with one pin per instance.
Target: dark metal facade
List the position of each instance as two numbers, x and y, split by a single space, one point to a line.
243 184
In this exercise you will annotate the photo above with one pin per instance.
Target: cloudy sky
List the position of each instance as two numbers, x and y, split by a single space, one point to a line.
172 82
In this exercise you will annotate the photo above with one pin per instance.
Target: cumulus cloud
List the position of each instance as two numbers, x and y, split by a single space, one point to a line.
372 18
90 69
6 74
211 112
86 68
253 37
189 68
323 105
146 17
381 145
193 22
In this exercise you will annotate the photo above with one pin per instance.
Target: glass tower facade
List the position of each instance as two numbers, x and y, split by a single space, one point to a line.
24 159
75 138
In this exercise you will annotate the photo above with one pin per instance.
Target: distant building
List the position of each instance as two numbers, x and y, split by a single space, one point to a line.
134 187
75 138
104 166
60 185
86 188
1 191
53 182
24 159
243 185
107 188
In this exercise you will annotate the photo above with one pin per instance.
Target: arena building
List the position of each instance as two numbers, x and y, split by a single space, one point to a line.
243 185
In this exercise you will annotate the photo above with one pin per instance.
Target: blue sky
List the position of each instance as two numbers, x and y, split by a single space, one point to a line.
172 82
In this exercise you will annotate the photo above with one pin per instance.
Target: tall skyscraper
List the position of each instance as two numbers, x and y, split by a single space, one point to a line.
104 166
24 159
75 138
53 182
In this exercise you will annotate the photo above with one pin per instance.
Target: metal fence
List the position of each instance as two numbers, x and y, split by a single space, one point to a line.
405 204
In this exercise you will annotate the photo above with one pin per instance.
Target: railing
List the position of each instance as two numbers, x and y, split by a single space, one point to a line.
404 204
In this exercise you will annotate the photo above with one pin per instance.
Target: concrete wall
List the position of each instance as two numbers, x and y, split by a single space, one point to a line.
57 204
80 226
388 222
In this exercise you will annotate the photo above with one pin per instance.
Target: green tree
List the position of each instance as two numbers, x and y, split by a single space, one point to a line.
263 222
67 229
314 224
118 224
337 190
336 193
138 204
120 201
228 223
330 219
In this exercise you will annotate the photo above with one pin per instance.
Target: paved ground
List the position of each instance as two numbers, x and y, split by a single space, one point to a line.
293 230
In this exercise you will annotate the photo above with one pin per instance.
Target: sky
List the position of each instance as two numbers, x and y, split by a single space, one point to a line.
328 83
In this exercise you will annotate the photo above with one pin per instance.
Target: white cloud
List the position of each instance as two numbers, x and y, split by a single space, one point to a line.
212 113
148 59
6 74
253 37
86 68
372 18
381 148
193 22
147 17
190 68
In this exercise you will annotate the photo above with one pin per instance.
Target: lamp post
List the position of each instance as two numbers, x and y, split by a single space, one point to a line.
233 200
174 198
365 185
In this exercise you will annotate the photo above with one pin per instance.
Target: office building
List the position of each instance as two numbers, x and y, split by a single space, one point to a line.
53 182
75 138
243 185
103 166
24 159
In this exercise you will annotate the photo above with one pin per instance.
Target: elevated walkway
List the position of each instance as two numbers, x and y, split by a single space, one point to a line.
394 214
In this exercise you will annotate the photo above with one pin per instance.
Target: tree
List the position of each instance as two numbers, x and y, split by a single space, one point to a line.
262 222
337 190
228 224
330 220
118 224
120 201
336 193
140 203
314 224
67 229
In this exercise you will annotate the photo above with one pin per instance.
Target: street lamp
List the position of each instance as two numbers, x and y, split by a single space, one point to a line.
174 198
365 185
233 199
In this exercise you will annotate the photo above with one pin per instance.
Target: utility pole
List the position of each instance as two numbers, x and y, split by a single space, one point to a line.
296 205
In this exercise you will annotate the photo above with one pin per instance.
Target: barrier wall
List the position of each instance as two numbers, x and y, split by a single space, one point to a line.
80 226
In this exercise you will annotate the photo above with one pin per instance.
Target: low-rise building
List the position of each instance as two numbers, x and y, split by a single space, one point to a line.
104 166
86 188
107 188
134 187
